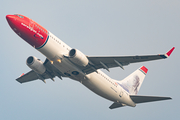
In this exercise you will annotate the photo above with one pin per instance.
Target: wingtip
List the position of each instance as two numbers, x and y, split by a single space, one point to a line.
170 98
21 75
170 51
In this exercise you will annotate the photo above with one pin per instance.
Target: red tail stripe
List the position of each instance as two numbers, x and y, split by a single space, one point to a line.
144 69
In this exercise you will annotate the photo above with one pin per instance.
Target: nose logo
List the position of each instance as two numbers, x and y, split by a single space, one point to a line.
36 35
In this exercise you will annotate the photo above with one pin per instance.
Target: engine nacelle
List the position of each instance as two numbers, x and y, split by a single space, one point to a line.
36 65
78 57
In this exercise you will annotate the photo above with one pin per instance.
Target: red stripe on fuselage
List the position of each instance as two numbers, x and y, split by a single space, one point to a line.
27 29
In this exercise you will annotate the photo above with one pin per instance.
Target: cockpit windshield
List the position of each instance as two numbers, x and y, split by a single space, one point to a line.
19 15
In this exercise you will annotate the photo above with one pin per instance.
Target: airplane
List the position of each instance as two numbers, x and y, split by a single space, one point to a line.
64 61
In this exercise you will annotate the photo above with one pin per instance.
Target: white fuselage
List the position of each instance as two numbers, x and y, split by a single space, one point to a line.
98 82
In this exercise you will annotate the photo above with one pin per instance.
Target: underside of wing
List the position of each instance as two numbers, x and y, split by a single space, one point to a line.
30 76
143 99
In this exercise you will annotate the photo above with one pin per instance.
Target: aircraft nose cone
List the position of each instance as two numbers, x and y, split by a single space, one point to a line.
10 19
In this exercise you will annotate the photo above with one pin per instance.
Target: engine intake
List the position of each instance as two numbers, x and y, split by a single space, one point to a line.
36 65
78 57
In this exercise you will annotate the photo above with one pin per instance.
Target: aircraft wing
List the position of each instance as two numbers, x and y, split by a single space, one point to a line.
51 72
120 61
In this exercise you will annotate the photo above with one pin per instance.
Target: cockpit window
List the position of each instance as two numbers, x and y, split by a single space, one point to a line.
19 15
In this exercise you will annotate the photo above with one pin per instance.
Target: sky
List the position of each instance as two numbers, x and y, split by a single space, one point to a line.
97 28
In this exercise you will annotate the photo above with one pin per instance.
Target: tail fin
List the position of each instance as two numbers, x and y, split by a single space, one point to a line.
133 82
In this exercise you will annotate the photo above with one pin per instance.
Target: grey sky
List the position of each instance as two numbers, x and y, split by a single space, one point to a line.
95 27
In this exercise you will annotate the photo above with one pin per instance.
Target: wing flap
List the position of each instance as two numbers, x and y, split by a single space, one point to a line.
143 99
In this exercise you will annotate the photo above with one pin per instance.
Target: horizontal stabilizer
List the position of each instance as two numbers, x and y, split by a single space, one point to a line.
143 99
116 105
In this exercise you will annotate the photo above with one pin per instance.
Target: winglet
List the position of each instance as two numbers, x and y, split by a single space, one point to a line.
169 52
21 75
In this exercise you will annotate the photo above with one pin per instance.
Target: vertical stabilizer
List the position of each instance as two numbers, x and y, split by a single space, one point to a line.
133 82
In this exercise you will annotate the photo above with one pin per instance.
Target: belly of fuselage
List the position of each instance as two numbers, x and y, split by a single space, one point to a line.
101 87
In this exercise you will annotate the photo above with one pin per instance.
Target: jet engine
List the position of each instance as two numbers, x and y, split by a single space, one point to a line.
36 65
78 57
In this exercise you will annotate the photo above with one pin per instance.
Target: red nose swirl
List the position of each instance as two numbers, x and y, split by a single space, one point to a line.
29 30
